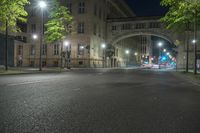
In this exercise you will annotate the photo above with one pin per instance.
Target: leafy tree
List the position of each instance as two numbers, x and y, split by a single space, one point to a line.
11 11
181 14
59 25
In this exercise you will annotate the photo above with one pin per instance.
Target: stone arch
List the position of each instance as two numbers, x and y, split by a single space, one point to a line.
137 33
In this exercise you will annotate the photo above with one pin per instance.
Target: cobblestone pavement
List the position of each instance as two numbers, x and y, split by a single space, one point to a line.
99 102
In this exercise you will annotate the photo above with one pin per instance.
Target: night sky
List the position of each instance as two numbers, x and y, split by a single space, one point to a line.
146 7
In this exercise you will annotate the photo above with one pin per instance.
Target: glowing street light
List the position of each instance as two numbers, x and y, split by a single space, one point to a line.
127 51
81 47
42 4
66 43
164 50
35 36
103 45
160 44
136 54
194 41
168 53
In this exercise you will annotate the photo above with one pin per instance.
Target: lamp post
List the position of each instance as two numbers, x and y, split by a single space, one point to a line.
42 5
68 53
136 56
160 44
195 37
34 37
103 46
127 53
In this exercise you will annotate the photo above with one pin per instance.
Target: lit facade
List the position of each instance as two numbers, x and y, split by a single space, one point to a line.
90 24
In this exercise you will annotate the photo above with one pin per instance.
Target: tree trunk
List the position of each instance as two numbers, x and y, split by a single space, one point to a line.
187 51
61 55
6 47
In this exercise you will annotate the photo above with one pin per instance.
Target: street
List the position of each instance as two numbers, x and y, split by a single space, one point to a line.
135 101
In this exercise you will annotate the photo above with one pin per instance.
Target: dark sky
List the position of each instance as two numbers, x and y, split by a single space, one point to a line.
146 7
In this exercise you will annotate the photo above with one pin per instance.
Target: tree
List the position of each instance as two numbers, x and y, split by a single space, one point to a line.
181 14
58 26
11 11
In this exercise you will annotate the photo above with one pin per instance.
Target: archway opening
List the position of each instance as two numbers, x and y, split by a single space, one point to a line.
143 50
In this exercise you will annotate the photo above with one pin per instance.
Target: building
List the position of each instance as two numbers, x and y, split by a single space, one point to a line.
90 17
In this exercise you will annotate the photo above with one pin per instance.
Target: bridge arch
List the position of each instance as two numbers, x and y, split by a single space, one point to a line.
138 33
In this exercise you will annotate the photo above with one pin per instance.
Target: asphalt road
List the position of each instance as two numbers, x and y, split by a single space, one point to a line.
89 102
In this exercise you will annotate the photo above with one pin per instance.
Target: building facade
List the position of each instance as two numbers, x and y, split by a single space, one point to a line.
90 25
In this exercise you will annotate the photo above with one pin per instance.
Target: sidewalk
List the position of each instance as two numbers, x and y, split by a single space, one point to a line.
26 70
194 79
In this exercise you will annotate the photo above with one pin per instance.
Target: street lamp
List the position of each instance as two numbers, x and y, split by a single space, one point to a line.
68 53
35 36
194 41
103 46
42 5
168 53
160 44
164 50
66 43
81 47
136 54
127 53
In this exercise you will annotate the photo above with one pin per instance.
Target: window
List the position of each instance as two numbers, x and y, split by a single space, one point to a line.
81 27
81 9
44 49
114 27
44 63
140 26
126 27
33 28
80 49
55 63
69 6
56 49
154 25
32 13
32 63
22 27
143 40
32 50
20 50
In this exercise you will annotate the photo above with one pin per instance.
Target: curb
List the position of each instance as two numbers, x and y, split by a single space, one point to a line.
27 73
